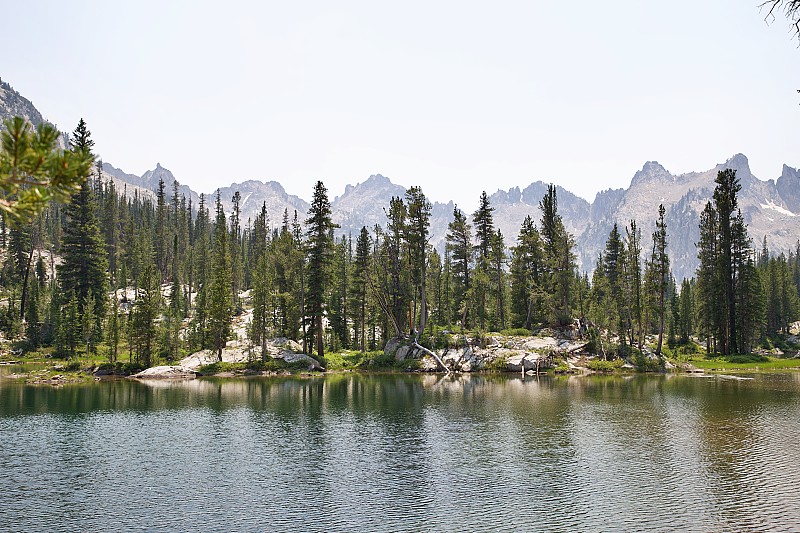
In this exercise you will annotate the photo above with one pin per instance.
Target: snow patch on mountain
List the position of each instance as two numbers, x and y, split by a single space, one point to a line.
782 210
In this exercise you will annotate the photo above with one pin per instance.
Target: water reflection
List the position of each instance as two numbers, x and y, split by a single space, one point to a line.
403 452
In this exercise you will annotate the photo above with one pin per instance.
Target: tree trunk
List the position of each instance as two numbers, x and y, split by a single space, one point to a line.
320 338
24 296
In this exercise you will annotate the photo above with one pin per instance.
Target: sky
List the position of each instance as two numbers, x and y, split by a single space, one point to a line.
456 97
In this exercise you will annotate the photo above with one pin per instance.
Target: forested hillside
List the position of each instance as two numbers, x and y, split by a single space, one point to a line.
153 279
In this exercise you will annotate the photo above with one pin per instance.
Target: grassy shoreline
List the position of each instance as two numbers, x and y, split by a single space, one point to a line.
50 371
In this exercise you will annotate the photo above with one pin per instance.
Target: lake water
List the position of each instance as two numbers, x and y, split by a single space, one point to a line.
403 453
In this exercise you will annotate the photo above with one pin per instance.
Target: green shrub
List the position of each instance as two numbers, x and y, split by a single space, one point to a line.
647 364
599 365
72 366
748 358
516 332
498 364
479 338
562 368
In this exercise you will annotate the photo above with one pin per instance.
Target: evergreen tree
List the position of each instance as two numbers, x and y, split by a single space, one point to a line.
499 282
459 244
146 308
527 293
220 303
85 263
416 236
686 312
34 171
558 257
484 227
659 275
708 286
160 234
614 268
725 203
360 281
319 252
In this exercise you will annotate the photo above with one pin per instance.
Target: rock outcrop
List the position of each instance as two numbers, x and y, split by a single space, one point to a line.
513 354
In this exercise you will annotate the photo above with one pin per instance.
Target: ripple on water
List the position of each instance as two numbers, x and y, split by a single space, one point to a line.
404 453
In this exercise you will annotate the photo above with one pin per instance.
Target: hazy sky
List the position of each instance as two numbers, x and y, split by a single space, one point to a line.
457 97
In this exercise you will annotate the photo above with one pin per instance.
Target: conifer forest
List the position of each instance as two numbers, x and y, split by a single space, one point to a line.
107 272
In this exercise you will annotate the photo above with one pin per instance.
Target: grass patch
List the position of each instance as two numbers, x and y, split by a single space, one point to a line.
562 368
682 351
349 359
745 362
380 360
270 365
516 332
119 368
599 365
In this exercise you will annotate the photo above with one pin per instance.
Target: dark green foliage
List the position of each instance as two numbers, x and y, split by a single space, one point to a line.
220 298
730 290
319 253
146 308
459 244
527 268
657 277
33 171
559 259
84 270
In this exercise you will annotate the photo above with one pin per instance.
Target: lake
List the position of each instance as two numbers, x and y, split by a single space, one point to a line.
352 452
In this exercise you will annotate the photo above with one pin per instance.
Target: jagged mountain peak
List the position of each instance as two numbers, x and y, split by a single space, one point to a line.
740 164
13 104
652 172
789 172
788 186
378 179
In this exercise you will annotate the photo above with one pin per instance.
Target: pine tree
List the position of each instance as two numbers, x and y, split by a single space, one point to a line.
686 325
633 272
498 261
360 273
319 253
614 269
527 293
220 298
85 263
259 326
484 227
708 287
201 277
160 234
725 202
146 308
236 250
659 275
398 287
416 235
459 244
559 258
35 171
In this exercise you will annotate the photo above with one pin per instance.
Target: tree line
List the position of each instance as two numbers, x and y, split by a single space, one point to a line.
156 279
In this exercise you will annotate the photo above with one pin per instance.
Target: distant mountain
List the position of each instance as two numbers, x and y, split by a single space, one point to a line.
364 204
13 104
254 194
766 210
150 179
770 208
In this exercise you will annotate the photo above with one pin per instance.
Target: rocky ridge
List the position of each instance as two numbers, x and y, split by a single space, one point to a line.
770 208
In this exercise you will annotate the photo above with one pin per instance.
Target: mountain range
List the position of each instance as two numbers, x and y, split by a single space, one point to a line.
770 208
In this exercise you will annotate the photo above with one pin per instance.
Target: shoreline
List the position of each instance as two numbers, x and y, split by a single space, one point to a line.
58 376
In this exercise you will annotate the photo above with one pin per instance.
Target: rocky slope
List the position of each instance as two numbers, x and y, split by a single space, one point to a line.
13 104
770 208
